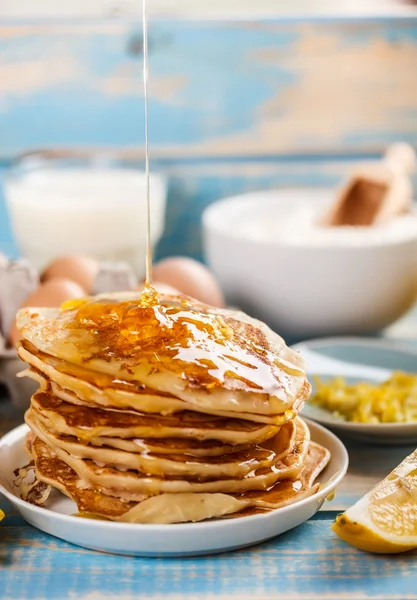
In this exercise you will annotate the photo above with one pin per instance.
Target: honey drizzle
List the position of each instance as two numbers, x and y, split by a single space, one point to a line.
149 296
201 347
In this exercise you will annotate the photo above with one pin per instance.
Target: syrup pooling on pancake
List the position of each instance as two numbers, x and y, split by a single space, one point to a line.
80 385
179 346
200 346
166 410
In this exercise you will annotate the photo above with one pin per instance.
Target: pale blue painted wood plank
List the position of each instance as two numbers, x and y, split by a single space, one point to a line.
247 87
308 563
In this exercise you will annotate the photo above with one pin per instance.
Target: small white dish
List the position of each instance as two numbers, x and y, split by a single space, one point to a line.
187 539
359 359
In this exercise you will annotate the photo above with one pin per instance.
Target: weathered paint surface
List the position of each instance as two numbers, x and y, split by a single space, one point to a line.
217 88
308 563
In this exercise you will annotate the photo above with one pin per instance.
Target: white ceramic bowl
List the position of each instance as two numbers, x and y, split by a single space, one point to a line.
302 284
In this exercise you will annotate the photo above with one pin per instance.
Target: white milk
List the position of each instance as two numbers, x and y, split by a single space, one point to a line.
99 212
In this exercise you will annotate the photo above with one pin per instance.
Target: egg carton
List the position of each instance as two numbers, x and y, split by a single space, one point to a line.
19 279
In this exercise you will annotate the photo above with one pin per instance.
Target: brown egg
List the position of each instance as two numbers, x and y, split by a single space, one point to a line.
50 294
189 277
80 269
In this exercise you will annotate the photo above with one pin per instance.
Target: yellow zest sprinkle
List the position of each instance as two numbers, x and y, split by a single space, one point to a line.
393 401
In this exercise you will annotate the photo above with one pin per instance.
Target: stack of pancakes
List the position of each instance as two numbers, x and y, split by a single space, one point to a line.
162 409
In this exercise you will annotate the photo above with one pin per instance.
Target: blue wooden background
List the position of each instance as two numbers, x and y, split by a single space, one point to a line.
234 106
217 88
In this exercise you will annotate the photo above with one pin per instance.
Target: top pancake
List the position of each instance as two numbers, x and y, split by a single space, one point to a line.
179 346
79 385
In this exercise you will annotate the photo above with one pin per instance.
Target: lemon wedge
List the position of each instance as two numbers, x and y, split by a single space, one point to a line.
2 515
384 521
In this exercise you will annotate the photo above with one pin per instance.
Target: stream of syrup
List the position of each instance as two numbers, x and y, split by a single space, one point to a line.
200 346
149 296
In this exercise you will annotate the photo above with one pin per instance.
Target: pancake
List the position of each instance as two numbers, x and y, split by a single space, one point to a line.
164 410
233 465
83 386
85 423
56 473
188 447
180 347
132 485
179 508
175 508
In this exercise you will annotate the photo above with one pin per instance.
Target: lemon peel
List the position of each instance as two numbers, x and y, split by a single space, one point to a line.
384 521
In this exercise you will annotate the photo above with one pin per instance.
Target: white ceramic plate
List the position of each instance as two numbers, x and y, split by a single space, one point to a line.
359 359
187 539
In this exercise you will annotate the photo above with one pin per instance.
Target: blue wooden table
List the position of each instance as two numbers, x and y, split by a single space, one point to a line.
308 563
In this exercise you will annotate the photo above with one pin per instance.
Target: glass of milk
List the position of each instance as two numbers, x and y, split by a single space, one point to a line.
92 206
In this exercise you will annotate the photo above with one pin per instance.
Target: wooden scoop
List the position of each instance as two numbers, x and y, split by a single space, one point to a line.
375 193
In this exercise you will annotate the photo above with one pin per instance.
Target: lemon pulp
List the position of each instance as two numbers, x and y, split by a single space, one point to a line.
385 519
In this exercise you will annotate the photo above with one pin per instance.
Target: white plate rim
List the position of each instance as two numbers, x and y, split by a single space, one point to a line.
324 491
351 340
